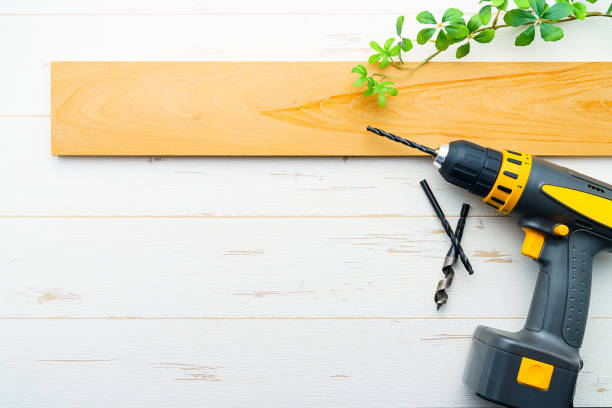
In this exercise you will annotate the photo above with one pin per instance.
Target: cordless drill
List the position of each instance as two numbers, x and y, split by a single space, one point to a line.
567 219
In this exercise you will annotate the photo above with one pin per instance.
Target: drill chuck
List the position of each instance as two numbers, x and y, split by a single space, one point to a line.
469 166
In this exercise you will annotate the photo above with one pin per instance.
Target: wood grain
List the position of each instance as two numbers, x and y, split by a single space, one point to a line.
311 108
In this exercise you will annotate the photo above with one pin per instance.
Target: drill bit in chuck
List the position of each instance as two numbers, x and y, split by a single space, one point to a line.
441 297
406 142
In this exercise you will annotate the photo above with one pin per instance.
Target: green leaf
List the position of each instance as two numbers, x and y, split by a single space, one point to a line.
457 31
368 92
360 69
474 23
395 50
485 36
592 1
388 44
485 14
425 34
550 32
580 10
526 37
406 44
609 9
463 50
538 6
518 17
391 91
374 58
399 23
442 42
385 61
382 99
452 14
558 11
500 4
363 73
376 46
425 17
522 3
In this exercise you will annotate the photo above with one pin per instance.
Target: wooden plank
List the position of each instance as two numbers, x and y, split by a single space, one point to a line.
258 363
311 108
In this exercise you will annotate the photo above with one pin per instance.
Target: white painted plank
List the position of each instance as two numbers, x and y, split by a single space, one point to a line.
261 363
25 75
237 7
43 185
134 7
352 267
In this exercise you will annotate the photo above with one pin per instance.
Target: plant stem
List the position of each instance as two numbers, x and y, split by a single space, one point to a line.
495 19
426 60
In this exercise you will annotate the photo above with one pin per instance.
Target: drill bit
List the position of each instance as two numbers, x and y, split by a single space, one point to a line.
441 297
447 228
406 142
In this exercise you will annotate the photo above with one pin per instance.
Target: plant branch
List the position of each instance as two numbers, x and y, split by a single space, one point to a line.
410 70
494 26
591 14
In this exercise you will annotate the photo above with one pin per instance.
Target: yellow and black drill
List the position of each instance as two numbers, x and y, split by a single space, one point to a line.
567 219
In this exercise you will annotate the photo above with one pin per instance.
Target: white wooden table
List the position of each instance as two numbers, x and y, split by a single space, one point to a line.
260 282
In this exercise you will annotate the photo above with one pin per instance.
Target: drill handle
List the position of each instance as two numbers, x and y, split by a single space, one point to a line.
560 302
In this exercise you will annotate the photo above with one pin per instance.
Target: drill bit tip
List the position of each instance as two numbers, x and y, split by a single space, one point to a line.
403 141
441 296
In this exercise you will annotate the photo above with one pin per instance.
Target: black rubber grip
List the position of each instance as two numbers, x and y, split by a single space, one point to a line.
580 266
560 303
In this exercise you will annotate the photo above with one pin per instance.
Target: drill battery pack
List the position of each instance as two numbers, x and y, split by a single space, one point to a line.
498 370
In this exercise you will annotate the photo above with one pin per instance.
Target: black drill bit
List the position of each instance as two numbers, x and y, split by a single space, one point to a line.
441 297
447 228
406 142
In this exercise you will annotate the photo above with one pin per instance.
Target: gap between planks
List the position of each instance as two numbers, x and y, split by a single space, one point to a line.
213 13
276 318
212 216
285 318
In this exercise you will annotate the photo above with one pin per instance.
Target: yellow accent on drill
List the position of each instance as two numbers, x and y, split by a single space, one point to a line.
597 208
510 182
533 243
561 230
535 374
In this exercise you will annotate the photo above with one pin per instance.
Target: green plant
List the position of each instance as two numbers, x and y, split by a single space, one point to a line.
453 29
